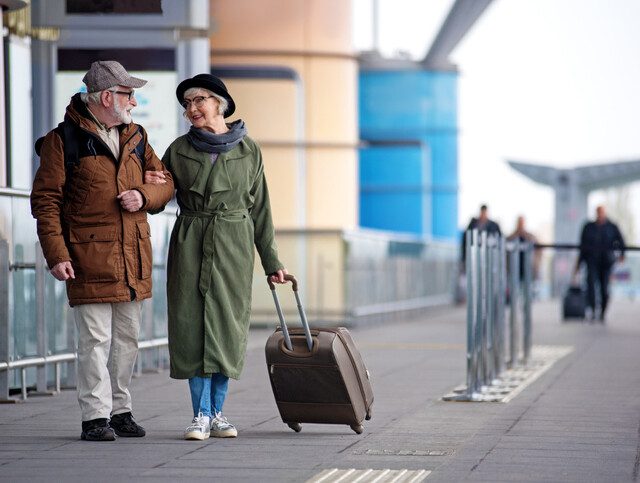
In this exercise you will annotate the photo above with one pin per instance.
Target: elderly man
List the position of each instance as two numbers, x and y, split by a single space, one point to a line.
91 204
599 241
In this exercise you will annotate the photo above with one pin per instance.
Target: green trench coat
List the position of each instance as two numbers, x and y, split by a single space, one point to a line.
224 211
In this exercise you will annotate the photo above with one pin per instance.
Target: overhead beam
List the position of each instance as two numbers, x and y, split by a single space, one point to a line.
460 19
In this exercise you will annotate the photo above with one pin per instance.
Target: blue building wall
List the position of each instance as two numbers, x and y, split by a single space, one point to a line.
418 107
392 182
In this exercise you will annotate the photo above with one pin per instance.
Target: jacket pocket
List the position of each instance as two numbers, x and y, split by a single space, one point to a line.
144 250
78 184
94 252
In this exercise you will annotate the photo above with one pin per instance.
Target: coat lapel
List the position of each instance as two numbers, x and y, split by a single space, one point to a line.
221 180
200 162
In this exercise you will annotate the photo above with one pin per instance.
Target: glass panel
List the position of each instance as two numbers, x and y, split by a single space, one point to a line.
24 229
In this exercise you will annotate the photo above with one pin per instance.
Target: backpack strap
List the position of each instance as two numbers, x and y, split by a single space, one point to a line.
139 149
70 142
67 132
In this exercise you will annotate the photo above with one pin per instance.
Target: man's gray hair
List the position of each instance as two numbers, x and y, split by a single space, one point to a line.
91 97
222 102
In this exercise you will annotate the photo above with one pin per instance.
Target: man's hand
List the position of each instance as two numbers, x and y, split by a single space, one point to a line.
154 177
130 200
63 271
278 277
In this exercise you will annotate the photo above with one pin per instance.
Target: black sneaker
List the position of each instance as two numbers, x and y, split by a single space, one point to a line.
124 425
97 430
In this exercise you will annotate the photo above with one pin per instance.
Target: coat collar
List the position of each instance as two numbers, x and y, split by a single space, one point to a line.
78 113
221 181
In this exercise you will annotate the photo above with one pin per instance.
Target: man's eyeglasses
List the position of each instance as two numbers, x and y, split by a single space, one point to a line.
197 101
129 94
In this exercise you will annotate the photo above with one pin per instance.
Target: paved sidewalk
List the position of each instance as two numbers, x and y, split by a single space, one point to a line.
578 422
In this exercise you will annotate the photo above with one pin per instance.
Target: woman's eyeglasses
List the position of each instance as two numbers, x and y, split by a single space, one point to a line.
197 101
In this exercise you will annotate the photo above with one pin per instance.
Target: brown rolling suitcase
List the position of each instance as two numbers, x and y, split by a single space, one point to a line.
317 375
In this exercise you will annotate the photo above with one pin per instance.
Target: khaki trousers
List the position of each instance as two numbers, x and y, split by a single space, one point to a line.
107 350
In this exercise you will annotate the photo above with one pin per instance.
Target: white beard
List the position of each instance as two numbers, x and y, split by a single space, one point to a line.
122 115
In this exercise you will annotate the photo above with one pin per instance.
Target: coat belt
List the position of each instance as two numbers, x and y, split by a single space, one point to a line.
206 266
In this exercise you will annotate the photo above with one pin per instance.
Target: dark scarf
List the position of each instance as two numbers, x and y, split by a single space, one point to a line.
209 142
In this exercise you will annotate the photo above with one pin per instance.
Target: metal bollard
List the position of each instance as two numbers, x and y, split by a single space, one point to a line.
489 276
514 289
490 312
492 309
484 303
487 281
500 318
527 296
470 243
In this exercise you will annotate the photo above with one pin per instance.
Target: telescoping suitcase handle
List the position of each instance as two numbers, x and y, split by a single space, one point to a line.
303 316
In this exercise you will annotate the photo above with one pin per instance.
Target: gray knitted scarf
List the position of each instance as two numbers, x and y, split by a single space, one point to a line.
209 142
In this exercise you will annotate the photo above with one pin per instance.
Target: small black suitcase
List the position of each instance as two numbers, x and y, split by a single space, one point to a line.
317 376
574 303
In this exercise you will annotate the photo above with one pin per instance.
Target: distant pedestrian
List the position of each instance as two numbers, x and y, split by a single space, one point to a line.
523 236
599 242
482 223
91 204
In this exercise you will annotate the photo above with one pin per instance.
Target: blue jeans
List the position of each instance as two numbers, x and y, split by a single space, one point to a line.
208 393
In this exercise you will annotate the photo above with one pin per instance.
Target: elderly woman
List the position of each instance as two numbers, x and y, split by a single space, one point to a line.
224 209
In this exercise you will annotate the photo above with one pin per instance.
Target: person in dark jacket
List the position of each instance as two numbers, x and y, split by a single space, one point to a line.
91 204
482 223
599 242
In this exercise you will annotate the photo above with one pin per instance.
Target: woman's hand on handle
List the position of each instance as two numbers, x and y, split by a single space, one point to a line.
278 277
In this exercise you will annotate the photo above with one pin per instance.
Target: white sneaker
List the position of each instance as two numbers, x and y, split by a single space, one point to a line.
198 429
221 428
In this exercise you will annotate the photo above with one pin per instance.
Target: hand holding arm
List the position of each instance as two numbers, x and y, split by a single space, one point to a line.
155 177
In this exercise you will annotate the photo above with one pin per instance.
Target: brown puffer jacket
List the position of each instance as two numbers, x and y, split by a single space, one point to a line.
80 220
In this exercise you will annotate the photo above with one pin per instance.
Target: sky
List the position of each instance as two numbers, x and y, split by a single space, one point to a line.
551 82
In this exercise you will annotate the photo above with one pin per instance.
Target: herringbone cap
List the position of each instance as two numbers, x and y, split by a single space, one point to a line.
104 74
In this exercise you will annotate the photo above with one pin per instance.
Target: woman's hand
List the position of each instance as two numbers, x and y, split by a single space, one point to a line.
278 277
154 177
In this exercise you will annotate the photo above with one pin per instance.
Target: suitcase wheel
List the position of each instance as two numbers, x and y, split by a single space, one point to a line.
368 415
297 427
357 428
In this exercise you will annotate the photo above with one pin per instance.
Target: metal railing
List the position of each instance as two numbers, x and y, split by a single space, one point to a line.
496 283
356 277
56 360
44 358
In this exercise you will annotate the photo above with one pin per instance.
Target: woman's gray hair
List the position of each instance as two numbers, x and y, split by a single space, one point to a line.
223 104
91 97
